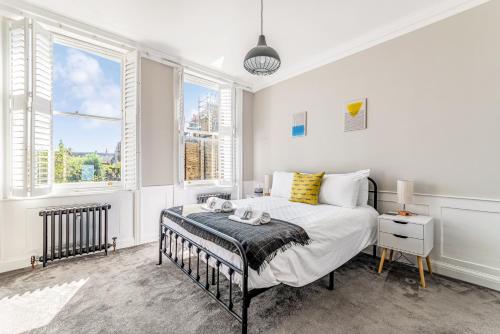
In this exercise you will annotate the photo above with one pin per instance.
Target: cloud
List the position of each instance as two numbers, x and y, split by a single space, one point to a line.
86 87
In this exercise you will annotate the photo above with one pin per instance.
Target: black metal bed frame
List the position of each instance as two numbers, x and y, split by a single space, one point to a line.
167 233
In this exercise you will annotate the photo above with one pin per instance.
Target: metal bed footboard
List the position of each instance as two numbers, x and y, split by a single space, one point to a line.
179 242
176 239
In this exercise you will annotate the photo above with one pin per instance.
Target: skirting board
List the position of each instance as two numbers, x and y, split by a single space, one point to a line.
467 275
25 261
149 238
458 272
466 234
21 225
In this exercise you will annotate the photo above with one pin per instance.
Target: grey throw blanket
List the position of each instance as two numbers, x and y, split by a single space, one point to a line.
261 243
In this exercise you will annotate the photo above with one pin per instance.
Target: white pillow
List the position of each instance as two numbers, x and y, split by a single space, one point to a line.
343 189
363 187
282 184
363 192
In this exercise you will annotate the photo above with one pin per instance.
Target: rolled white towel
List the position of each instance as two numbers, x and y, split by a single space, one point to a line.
215 204
252 221
249 216
244 212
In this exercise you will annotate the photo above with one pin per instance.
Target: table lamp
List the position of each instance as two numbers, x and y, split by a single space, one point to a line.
405 195
267 184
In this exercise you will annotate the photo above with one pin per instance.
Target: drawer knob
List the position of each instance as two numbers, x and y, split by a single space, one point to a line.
400 222
400 236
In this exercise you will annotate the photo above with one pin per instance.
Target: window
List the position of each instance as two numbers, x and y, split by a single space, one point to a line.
73 109
87 117
207 132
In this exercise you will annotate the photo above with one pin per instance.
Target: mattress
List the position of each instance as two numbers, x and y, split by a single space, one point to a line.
337 235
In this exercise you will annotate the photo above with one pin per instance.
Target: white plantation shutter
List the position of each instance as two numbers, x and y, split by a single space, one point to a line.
179 117
226 136
130 88
238 140
41 112
19 74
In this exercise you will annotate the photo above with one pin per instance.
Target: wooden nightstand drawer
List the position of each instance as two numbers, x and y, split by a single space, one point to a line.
409 245
406 234
406 229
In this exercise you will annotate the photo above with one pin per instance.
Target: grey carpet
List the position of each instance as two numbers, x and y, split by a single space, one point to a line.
127 292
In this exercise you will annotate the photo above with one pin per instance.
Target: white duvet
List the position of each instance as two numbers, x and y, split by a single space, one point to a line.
337 235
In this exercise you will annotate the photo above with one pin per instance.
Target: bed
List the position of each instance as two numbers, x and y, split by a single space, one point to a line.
337 234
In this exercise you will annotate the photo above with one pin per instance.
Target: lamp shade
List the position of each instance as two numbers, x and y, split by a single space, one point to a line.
405 191
262 59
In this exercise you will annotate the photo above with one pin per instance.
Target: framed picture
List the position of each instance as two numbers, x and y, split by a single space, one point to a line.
355 115
299 126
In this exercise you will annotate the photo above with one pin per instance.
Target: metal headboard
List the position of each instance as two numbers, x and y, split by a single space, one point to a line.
374 191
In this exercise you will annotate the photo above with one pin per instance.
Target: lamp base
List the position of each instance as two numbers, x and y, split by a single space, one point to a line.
405 213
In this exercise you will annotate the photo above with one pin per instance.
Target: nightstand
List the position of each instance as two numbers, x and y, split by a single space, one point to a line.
408 234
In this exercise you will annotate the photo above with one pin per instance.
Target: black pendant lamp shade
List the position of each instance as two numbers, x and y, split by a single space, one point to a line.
262 59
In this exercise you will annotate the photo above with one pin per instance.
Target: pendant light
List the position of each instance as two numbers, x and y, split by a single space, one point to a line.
262 59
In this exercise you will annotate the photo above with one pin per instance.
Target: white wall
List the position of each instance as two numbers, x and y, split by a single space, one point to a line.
3 107
134 215
466 235
157 118
21 226
152 201
433 111
432 117
247 134
158 155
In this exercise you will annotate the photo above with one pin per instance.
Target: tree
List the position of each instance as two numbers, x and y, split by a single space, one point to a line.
74 169
70 168
96 161
60 161
111 172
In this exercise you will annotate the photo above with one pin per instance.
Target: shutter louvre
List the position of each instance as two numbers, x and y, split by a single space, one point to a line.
179 117
41 112
19 76
129 100
226 136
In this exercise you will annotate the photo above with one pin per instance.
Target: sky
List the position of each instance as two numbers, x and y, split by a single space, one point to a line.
191 94
89 84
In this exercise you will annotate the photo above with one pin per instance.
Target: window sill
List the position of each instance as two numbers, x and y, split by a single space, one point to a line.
200 185
84 191
69 193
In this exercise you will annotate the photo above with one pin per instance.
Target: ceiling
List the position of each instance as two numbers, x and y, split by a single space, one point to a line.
218 33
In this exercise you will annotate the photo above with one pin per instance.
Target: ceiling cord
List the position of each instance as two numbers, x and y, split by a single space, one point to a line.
262 17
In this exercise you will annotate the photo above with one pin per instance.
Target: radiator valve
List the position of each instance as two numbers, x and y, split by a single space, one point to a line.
114 244
33 261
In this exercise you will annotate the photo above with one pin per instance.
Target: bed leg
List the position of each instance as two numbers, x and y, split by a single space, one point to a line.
244 328
246 298
159 253
331 277
244 321
374 254
244 313
160 241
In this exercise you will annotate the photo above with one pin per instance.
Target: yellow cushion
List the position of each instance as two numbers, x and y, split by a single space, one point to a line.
305 188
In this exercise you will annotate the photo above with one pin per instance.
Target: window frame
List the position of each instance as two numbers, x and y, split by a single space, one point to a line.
126 55
68 187
210 83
